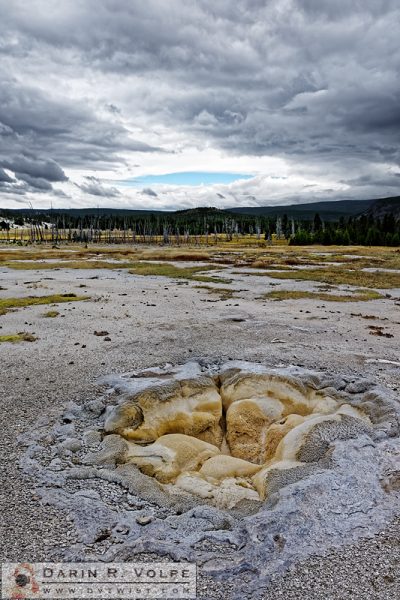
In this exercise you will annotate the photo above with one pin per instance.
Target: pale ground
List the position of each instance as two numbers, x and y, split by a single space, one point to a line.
154 320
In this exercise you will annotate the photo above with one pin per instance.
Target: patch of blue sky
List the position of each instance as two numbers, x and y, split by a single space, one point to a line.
186 178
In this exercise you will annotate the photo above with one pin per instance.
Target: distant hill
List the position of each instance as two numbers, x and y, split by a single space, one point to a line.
185 214
385 206
201 211
83 212
329 211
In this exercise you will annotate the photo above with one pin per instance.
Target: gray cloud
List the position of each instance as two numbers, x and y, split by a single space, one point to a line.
16 188
47 170
149 192
94 187
37 183
315 83
4 178
390 180
58 130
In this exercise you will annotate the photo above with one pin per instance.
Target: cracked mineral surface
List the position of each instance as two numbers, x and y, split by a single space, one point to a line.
242 468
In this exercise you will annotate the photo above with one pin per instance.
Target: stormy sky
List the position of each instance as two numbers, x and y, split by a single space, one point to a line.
181 103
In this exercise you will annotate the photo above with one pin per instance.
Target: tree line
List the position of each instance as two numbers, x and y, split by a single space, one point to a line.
365 230
181 226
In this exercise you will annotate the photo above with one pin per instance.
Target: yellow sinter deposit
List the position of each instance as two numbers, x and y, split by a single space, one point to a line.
221 438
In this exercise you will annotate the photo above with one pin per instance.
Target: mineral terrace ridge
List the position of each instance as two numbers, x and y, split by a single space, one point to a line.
269 438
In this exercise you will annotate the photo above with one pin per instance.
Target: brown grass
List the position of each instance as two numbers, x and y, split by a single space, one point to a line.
82 264
255 254
359 296
223 293
356 296
340 276
169 270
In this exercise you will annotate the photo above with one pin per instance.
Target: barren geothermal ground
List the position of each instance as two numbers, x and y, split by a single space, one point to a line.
233 407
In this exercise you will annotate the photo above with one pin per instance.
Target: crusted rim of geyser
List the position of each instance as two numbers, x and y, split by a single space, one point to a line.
346 495
164 388
104 459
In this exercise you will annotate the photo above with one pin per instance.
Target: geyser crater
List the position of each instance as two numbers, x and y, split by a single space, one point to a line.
242 468
229 435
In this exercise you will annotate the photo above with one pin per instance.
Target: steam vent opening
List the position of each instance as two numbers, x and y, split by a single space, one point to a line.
225 436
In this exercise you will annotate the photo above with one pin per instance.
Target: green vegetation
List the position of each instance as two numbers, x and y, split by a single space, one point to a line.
7 304
17 337
169 270
89 226
223 293
82 264
175 254
358 296
343 223
365 230
75 252
50 314
340 276
237 252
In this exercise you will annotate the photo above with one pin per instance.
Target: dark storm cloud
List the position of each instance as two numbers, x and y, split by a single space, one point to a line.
4 178
94 187
389 181
63 130
149 192
37 183
21 187
315 82
47 170
32 174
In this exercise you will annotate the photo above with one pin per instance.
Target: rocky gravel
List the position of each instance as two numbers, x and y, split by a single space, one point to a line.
152 325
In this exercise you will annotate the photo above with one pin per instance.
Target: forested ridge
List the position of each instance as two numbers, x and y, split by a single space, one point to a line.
379 225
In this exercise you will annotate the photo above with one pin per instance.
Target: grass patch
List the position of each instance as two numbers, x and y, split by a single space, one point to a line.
173 272
255 254
338 276
7 304
136 268
116 252
174 254
50 314
223 293
18 337
67 264
357 296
